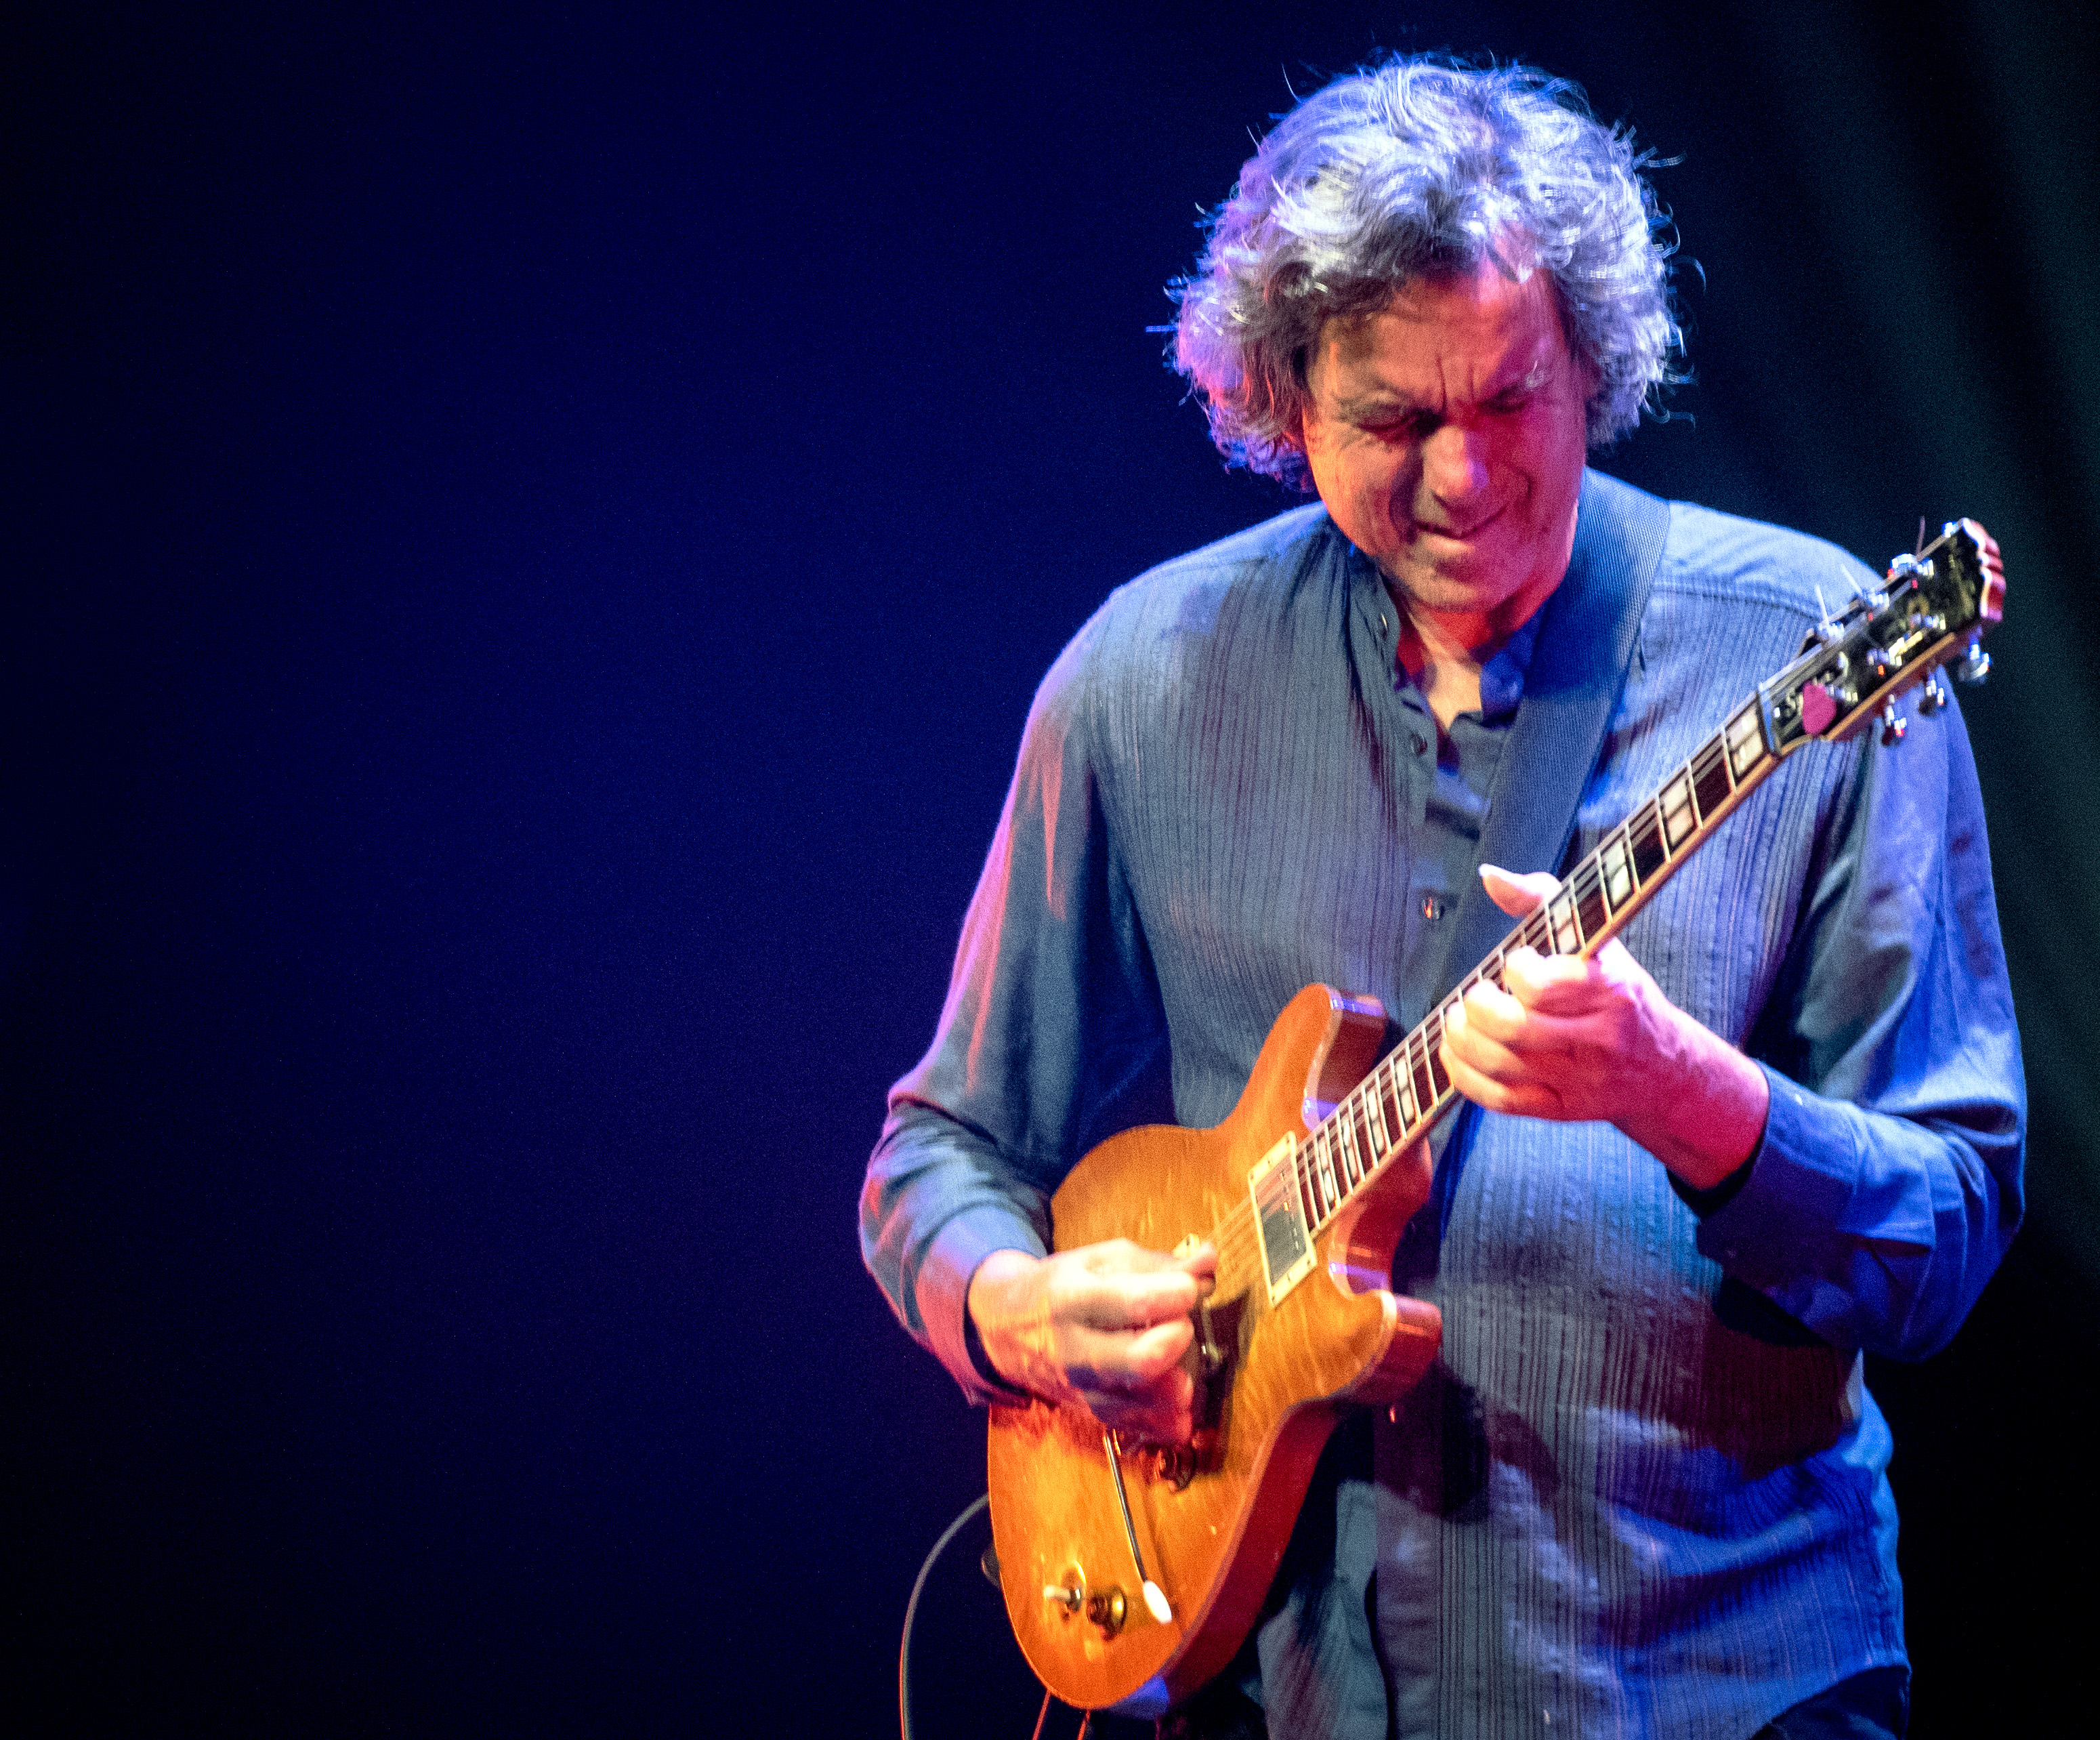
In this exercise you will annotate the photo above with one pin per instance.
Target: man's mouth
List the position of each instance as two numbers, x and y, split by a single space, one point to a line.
1458 535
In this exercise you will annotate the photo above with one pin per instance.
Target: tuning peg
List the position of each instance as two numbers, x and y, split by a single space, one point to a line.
1894 724
1975 664
1932 694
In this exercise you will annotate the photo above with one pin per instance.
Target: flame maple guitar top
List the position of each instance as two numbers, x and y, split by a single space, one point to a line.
1211 1530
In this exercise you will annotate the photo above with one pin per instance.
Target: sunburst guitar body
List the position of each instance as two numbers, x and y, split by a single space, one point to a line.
1209 1521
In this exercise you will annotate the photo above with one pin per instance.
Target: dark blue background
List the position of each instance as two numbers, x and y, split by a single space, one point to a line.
532 534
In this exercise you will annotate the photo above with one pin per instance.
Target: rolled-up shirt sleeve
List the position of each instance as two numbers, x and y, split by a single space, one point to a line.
1887 1184
1052 1014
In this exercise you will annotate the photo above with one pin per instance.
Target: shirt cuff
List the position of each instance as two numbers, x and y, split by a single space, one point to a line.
1717 1197
943 1290
1780 1209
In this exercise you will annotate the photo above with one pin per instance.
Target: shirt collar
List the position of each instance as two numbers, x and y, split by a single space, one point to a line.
1501 678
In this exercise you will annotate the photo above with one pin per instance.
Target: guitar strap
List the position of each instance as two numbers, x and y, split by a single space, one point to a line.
1578 669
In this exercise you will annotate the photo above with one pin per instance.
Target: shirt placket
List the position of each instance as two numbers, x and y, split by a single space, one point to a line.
1407 734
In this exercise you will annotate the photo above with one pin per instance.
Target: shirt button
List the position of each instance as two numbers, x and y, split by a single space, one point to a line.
1420 742
1432 908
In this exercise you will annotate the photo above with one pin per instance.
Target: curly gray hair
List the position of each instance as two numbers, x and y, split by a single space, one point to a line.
1418 168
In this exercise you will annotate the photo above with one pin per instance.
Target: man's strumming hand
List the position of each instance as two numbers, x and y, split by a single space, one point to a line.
1104 1326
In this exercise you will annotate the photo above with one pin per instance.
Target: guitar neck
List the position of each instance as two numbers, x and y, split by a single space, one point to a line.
1408 1090
1936 603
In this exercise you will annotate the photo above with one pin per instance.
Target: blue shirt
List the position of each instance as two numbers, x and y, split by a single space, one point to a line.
1644 1488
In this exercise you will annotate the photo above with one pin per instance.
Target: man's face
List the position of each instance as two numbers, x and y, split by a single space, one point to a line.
1445 434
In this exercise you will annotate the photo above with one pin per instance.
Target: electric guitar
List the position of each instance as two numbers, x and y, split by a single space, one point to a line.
1133 1573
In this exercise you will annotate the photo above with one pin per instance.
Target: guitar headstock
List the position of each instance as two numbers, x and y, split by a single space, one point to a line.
1933 606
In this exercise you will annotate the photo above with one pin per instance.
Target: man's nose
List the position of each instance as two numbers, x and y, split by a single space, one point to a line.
1454 464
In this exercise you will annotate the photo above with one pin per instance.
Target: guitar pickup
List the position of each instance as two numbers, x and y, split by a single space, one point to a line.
1279 1211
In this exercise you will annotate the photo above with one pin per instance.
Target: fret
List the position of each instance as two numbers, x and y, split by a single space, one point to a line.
1395 1124
1323 1170
1615 871
1680 821
1711 785
1746 742
1567 928
1443 1020
1373 1120
1365 1144
1646 837
1351 1150
1298 1168
1589 900
1425 1095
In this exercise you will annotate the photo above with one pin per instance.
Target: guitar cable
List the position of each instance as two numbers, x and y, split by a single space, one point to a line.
912 1617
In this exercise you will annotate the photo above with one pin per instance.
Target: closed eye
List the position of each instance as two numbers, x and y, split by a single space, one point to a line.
1418 426
1518 393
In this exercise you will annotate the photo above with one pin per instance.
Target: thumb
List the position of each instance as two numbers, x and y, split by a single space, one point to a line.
1517 896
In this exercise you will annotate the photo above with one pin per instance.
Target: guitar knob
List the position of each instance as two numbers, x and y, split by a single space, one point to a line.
1108 1610
1932 696
1894 724
1174 1464
1068 1595
1975 664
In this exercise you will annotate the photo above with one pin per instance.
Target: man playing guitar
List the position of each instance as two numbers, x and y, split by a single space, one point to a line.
1779 1123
